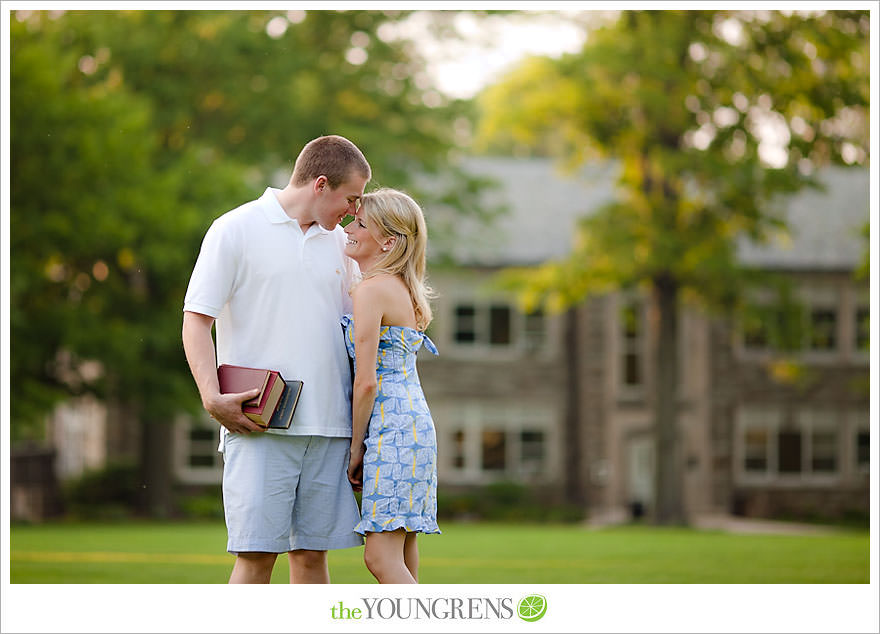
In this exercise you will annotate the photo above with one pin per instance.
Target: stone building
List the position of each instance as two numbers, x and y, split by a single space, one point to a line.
561 402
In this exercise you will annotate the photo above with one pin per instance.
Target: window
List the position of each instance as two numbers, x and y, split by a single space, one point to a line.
195 457
494 448
756 450
485 442
531 451
465 324
496 325
863 450
863 329
499 325
458 449
824 451
757 328
533 330
202 447
789 451
632 329
823 329
805 446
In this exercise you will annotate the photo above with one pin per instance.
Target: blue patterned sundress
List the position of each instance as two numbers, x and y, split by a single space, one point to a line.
400 462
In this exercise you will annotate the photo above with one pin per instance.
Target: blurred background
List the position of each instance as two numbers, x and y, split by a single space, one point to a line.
649 239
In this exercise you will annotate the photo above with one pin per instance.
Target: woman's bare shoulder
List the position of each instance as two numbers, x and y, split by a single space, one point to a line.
380 284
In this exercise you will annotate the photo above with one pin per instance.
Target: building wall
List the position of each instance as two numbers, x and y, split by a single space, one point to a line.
498 406
789 434
569 409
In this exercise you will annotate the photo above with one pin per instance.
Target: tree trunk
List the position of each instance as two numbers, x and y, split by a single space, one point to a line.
155 498
668 451
575 488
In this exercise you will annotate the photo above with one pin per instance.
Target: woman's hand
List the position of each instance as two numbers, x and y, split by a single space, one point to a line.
356 468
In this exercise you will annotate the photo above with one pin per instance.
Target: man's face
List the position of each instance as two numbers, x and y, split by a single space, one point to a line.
336 204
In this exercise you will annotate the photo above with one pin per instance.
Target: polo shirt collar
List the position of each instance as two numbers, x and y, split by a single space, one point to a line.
275 213
272 209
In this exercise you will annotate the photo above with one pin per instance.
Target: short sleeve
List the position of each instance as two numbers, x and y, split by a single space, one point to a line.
213 276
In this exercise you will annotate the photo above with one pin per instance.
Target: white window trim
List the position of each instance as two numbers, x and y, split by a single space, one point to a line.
860 423
812 298
474 418
182 469
770 418
481 348
625 391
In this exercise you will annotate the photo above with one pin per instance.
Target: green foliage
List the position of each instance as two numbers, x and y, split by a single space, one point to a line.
203 505
678 100
107 493
101 236
682 102
506 502
131 130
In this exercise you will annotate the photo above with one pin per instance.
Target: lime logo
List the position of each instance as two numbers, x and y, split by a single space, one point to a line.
532 608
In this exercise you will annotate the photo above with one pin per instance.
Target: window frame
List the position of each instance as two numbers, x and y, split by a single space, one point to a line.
806 423
527 332
183 470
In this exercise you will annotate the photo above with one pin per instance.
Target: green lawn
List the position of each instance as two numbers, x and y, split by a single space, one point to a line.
194 552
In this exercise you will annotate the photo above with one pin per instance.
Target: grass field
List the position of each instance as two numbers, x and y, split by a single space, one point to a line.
148 552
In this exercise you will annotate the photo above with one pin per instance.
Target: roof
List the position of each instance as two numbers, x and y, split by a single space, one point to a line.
823 227
543 207
544 204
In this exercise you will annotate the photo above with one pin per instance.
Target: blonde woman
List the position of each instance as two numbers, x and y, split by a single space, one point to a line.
393 445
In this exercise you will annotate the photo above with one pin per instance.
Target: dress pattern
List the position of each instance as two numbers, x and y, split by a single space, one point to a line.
400 462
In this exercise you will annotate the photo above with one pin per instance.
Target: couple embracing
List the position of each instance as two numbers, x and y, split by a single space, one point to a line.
287 288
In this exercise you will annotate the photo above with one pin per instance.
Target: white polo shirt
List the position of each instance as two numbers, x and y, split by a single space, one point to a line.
278 296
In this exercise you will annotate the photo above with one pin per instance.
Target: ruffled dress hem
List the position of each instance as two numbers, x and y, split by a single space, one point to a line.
372 526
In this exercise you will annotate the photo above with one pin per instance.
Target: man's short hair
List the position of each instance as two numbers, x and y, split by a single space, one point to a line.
332 156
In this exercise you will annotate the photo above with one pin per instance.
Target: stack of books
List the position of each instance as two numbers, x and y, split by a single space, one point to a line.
274 406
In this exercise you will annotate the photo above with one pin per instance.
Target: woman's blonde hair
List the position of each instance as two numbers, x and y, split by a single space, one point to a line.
394 214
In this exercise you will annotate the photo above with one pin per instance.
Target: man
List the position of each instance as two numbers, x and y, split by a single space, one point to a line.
273 275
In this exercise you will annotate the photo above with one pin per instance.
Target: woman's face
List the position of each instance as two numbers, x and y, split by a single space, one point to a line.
362 246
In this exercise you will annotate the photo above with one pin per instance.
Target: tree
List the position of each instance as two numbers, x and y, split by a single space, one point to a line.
711 117
101 237
130 132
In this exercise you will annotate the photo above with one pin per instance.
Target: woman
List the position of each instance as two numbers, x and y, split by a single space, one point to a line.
393 445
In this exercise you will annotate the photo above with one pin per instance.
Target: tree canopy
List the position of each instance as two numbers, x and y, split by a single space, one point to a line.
130 131
711 117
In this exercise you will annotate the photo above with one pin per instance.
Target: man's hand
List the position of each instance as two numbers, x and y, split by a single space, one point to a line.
226 410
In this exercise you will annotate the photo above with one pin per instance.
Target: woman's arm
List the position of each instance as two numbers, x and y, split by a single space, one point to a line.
367 315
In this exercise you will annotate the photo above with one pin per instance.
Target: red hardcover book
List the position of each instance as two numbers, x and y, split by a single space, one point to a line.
233 378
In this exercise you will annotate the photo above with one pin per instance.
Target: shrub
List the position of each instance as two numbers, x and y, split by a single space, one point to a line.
505 501
202 505
106 493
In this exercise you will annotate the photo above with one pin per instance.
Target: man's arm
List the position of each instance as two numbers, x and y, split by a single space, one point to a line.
198 345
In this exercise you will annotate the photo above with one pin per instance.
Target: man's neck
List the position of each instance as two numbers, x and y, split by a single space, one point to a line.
293 202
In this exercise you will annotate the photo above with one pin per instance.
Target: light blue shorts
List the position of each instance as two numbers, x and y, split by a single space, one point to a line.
283 493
